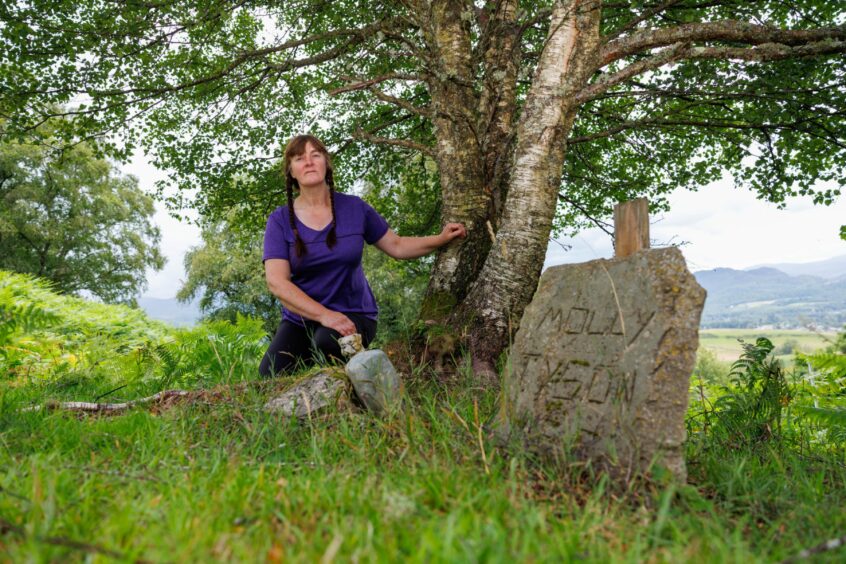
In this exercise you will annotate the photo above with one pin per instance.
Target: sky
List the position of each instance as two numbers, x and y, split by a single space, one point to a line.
720 226
717 226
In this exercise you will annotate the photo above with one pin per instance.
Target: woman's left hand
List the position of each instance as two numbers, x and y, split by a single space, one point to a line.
451 231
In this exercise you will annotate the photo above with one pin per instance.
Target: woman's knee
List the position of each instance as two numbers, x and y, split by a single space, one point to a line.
275 364
326 343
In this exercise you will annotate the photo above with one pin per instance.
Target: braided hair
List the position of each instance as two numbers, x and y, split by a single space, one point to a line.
296 147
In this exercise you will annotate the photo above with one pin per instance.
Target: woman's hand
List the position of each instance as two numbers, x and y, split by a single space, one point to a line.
451 231
339 322
412 247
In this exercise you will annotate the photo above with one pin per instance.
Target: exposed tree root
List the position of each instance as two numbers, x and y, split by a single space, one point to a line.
165 397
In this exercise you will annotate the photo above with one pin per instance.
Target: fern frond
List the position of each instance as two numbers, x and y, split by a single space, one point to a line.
830 416
833 362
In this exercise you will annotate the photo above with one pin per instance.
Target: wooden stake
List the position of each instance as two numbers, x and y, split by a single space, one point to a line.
631 227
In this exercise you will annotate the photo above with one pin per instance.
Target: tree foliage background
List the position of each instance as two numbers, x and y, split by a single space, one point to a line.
70 217
538 116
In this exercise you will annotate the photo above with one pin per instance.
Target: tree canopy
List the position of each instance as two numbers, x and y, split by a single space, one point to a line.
225 272
537 115
212 89
67 216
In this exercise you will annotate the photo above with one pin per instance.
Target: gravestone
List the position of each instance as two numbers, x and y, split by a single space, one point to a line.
602 361
370 374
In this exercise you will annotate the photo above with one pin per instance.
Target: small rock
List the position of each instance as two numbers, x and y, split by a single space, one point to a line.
311 395
351 344
375 381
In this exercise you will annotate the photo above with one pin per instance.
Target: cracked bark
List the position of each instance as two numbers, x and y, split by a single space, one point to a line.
508 279
458 154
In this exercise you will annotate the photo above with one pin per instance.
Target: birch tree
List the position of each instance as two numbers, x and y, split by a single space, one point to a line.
534 116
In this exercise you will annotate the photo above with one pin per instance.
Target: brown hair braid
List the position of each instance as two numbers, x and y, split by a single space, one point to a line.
290 182
331 239
297 146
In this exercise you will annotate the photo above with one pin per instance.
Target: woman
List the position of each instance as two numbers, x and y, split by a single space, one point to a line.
312 260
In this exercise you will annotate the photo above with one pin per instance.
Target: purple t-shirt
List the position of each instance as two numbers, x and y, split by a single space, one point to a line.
332 277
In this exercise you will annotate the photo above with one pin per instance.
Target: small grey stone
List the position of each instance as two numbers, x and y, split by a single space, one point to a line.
311 395
351 344
602 362
375 380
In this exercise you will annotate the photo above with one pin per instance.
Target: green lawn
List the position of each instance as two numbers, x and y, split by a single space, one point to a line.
218 479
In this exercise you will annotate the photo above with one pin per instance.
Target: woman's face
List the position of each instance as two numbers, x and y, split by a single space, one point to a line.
309 169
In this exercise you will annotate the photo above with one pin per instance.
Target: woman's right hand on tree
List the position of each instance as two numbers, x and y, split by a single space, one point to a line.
339 322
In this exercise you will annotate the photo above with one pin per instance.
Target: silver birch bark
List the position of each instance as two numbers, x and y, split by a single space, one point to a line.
510 273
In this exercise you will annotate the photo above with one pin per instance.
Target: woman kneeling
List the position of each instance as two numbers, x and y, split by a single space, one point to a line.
312 260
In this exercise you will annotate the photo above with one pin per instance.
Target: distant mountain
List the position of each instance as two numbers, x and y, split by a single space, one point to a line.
832 268
171 310
770 297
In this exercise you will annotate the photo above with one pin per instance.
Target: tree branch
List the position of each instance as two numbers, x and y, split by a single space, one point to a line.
399 102
768 51
663 57
358 33
778 94
373 130
728 30
605 226
764 52
362 83
92 407
354 36
665 122
541 15
645 15
360 134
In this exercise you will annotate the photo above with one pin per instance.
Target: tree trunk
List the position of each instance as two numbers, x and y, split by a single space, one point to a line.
458 155
509 277
498 103
473 140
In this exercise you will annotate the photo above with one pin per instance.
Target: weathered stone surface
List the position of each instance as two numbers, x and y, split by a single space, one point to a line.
311 395
375 381
351 344
602 362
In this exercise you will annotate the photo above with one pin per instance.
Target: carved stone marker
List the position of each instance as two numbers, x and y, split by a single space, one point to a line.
602 362
372 376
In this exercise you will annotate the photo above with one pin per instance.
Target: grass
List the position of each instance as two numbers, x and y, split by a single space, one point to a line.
225 481
218 479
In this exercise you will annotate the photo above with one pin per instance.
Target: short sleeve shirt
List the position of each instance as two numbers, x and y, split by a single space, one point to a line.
331 277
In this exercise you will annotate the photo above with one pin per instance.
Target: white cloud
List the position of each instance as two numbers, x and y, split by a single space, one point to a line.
725 227
177 236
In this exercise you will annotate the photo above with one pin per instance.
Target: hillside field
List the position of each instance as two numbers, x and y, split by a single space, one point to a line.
726 343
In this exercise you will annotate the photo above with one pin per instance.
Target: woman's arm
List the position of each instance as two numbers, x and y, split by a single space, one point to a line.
412 247
278 275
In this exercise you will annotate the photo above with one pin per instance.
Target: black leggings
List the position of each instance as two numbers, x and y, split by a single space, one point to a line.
294 344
